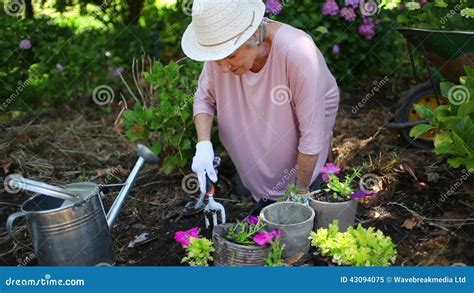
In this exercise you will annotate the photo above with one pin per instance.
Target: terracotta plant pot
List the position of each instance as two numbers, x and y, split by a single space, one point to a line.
228 253
326 212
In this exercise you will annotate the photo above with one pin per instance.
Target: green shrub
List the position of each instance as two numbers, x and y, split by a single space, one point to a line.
168 124
452 124
356 247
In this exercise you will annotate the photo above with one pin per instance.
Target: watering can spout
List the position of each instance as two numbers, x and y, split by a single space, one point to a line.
145 156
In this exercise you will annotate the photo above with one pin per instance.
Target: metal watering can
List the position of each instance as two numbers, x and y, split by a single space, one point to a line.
68 225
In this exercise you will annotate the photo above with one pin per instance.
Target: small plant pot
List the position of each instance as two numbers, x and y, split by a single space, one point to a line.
326 212
228 253
295 220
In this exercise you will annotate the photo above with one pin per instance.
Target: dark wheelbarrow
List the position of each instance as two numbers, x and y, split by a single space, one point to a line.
446 52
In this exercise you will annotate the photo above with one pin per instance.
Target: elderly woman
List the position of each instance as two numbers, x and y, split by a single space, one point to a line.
275 98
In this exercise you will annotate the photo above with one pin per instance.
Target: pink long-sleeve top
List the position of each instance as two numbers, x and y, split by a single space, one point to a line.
266 118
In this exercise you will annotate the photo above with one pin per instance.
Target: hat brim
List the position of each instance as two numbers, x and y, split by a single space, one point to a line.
195 51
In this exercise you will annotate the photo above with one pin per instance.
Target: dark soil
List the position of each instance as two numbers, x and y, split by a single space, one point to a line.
65 146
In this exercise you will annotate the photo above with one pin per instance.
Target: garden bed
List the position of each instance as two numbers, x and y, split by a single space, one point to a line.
73 147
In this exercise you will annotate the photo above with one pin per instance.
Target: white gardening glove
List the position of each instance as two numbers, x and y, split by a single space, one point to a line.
203 163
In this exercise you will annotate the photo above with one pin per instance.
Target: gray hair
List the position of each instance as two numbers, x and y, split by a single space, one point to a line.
258 37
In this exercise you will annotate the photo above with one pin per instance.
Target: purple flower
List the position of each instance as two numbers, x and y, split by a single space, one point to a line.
253 220
273 7
367 28
353 3
336 49
423 2
402 7
183 237
360 194
330 7
25 44
329 168
117 72
348 13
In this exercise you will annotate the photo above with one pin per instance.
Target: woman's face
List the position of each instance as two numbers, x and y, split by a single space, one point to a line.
240 61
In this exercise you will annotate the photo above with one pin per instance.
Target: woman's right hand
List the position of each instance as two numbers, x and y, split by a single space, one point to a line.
203 163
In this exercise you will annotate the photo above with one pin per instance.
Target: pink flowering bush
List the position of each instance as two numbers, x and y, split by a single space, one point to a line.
353 36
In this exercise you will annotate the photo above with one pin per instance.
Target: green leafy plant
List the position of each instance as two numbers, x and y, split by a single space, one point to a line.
199 252
166 121
356 247
437 14
275 257
244 231
453 124
198 249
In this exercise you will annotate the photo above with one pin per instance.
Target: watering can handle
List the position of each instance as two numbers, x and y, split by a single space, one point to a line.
11 219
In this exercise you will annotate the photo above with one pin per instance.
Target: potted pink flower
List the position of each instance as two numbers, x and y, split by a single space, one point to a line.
246 243
338 198
198 249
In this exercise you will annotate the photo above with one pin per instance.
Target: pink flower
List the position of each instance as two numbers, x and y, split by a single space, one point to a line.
353 3
423 2
330 7
253 220
263 238
336 49
328 169
276 233
348 13
183 237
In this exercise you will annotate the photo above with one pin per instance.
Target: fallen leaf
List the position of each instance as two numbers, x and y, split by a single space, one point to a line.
410 223
138 239
408 167
6 166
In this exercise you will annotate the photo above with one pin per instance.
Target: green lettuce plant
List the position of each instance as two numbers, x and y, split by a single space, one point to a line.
198 252
453 124
356 247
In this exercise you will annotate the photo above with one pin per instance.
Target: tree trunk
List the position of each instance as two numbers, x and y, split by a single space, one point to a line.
29 9
134 9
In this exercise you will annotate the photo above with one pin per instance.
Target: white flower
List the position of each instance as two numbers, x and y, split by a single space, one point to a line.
412 5
467 12
441 3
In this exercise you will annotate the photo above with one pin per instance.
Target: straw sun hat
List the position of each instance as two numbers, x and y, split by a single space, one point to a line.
219 27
